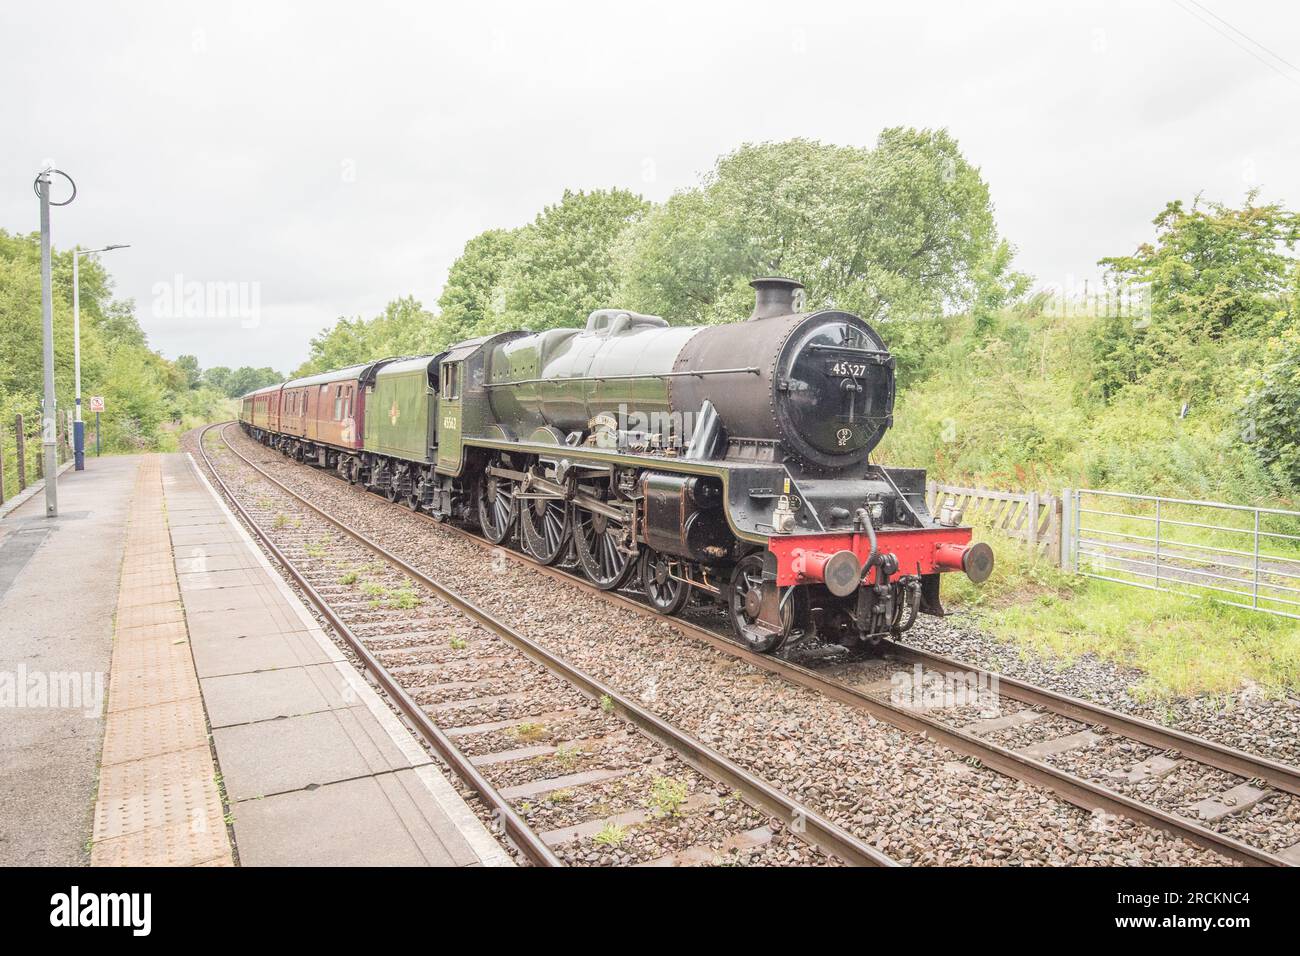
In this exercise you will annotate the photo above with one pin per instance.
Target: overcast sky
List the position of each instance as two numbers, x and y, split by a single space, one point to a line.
334 156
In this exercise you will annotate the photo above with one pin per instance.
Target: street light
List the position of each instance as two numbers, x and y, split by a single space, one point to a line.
49 411
78 426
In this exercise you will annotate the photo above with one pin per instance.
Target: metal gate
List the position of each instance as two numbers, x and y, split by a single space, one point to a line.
1235 554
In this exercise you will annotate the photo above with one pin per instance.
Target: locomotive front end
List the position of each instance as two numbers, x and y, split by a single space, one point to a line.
853 552
822 383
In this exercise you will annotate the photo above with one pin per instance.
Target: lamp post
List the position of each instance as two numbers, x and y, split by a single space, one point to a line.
78 426
49 413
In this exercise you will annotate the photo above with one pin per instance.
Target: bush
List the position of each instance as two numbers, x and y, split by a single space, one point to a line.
1270 418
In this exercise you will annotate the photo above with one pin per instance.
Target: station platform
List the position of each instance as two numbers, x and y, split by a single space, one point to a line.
194 711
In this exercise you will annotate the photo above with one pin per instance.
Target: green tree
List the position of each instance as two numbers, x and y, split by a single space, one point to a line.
188 366
473 296
217 378
1270 417
143 389
403 328
897 233
246 379
1213 271
561 266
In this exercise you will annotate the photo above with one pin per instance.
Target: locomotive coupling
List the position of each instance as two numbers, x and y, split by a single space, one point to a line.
975 559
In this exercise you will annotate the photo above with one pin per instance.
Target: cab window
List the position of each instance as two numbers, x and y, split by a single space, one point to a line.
451 381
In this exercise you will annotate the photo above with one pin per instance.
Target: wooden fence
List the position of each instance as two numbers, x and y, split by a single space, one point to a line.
21 452
1028 515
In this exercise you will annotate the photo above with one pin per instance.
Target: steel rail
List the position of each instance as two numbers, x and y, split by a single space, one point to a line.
1077 790
1200 749
524 837
809 825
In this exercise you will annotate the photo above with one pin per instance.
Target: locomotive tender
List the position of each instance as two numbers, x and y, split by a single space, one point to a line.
728 461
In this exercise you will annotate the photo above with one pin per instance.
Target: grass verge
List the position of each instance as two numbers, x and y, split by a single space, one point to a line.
1182 646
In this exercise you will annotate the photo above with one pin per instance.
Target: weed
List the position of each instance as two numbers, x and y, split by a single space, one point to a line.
667 796
404 598
567 756
527 731
611 834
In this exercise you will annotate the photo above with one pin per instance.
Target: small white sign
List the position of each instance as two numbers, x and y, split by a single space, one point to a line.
97 403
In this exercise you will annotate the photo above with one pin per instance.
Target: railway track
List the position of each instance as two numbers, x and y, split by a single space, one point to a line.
504 761
839 681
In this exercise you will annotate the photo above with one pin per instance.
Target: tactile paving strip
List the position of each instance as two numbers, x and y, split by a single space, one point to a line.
165 679
167 790
158 801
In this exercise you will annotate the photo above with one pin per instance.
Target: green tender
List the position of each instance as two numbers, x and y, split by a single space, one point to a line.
401 411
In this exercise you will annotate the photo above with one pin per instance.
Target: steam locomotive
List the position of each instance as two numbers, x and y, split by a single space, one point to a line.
725 463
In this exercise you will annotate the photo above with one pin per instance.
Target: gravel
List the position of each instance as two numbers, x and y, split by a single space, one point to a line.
909 797
1247 719
466 677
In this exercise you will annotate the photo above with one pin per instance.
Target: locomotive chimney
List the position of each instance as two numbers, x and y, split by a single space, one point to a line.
774 296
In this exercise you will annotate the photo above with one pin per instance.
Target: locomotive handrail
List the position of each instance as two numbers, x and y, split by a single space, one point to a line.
819 347
751 370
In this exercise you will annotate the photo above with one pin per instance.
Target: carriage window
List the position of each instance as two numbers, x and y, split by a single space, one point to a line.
338 402
347 403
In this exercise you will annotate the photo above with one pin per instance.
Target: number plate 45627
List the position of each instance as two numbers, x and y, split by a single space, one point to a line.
850 369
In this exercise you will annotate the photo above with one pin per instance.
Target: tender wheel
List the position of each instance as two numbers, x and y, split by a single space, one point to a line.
597 538
352 471
545 527
497 508
744 599
390 489
666 594
412 501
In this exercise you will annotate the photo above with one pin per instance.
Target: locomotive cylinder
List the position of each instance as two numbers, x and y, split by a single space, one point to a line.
683 517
